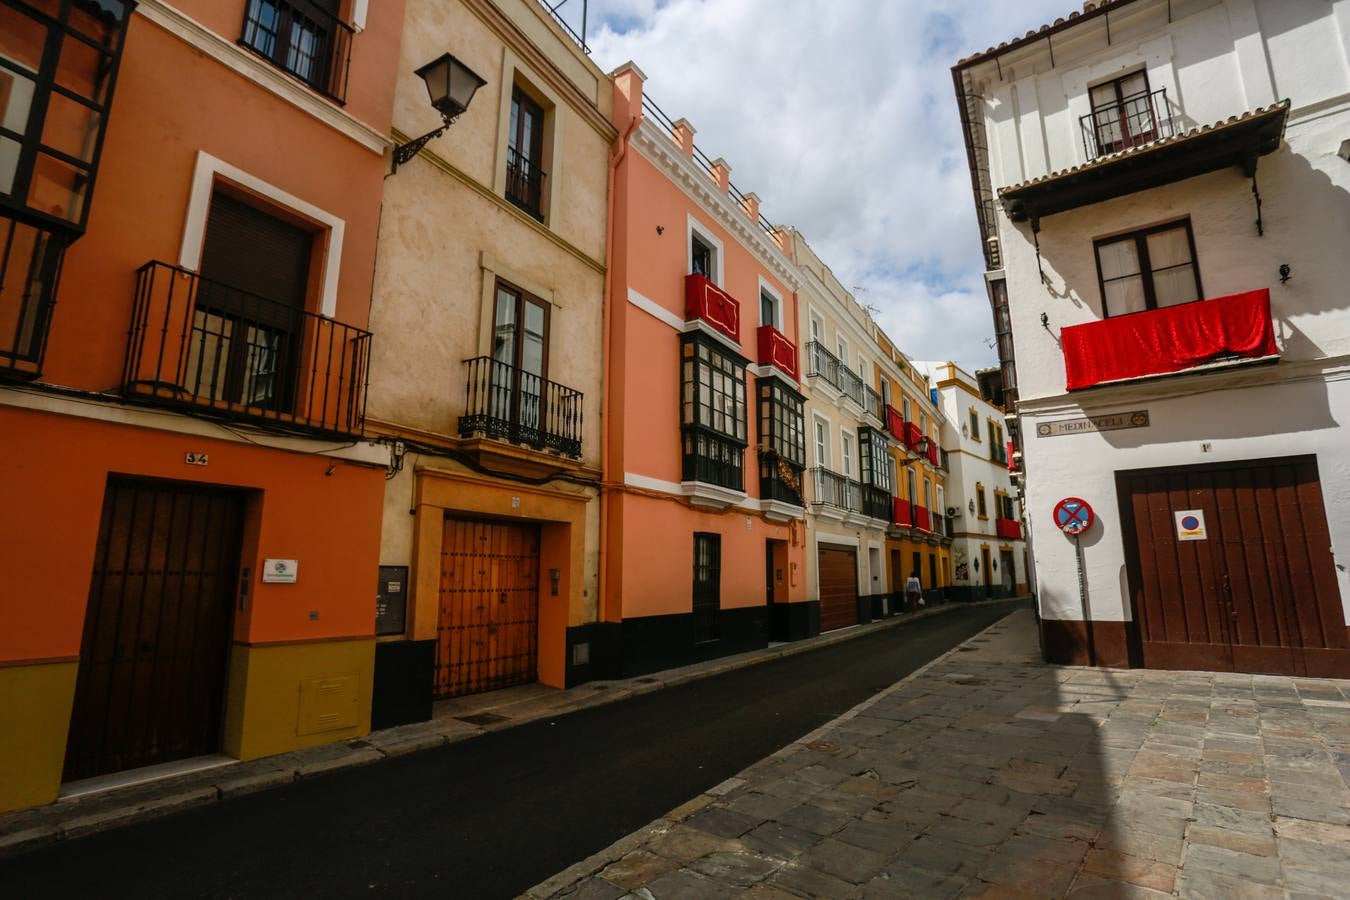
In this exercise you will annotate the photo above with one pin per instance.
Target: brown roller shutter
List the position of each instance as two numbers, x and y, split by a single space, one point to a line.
838 587
254 252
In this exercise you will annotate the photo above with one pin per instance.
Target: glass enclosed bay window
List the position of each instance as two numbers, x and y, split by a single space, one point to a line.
782 439
712 412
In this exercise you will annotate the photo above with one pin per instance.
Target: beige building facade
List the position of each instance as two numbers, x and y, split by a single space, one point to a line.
487 381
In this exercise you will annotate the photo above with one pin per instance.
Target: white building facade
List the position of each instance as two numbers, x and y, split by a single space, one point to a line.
849 475
989 550
1164 197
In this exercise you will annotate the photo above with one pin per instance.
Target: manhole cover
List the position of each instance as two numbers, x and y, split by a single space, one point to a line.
483 719
823 746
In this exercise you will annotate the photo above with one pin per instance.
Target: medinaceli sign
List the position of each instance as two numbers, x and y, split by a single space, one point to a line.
1113 422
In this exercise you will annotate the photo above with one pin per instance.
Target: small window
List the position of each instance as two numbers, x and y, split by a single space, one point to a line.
886 391
705 253
303 37
1150 269
927 493
846 463
817 329
981 504
822 444
906 410
525 154
1122 113
911 481
974 424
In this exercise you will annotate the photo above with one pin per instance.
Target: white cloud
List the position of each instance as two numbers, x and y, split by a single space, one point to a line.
842 117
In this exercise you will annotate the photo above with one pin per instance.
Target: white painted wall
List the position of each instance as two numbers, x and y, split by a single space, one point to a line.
1219 58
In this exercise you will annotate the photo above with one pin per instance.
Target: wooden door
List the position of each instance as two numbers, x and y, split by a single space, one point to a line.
488 632
988 572
151 682
838 587
707 596
1259 594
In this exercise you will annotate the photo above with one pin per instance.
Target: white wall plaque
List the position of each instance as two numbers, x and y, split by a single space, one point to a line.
280 571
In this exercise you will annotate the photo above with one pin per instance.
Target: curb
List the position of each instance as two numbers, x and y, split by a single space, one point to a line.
597 861
67 820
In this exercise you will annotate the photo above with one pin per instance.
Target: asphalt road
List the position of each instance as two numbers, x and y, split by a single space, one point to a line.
492 816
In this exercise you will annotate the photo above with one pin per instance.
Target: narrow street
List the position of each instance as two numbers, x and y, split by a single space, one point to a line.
493 816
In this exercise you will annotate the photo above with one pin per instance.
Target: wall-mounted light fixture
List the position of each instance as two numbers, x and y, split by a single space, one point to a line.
451 85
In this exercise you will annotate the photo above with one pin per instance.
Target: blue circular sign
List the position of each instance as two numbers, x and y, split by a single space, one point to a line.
1190 523
1073 516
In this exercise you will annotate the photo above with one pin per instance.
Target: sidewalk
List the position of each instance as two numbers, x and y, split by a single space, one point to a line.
991 774
453 721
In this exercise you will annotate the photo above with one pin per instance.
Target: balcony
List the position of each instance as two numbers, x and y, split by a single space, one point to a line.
826 367
1135 120
872 403
1008 529
525 183
506 403
902 512
708 303
1142 160
934 454
922 520
777 351
895 423
1223 330
876 503
302 38
912 437
202 345
713 459
834 490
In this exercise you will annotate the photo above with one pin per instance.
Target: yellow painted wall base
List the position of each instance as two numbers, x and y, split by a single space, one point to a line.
35 706
289 696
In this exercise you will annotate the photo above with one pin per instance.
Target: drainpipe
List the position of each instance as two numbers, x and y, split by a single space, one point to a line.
617 153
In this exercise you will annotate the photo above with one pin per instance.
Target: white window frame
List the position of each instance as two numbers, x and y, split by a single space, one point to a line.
210 170
816 327
825 426
766 288
841 348
846 452
907 409
705 234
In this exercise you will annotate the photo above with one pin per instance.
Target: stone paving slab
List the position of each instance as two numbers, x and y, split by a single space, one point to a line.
988 773
69 819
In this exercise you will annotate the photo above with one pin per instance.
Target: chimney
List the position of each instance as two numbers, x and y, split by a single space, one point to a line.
628 80
684 136
751 206
721 173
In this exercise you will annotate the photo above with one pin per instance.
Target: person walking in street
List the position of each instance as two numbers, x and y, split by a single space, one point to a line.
914 591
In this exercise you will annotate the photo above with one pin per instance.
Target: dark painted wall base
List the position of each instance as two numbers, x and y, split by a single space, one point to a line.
794 621
404 678
1071 643
877 607
654 643
593 652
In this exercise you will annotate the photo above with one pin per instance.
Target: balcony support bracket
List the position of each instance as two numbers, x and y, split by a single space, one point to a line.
405 152
1256 195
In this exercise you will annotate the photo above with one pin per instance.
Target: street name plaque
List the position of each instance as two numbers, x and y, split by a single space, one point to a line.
1110 422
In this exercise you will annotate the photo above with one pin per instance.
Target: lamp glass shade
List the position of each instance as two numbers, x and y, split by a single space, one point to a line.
450 84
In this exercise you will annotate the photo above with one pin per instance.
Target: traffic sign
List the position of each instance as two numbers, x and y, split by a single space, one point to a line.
1073 516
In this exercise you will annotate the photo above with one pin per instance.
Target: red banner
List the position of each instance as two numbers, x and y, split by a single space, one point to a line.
705 300
776 350
1162 341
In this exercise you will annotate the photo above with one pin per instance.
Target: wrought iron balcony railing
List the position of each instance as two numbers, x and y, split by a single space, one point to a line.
781 481
825 364
833 489
713 459
203 345
1130 122
525 183
507 403
876 503
304 38
872 403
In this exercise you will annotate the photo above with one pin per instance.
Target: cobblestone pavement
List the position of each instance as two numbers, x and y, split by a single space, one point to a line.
991 774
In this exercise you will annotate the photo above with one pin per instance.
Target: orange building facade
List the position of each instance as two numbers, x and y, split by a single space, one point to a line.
183 362
703 536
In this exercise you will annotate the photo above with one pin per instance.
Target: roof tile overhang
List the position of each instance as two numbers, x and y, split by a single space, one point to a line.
1238 141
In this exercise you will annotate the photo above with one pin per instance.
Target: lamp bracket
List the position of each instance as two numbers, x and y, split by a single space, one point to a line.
405 152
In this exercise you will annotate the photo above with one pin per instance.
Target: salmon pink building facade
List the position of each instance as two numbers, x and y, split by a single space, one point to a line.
183 352
704 538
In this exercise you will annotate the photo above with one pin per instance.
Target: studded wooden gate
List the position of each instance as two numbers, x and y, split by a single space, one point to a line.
488 633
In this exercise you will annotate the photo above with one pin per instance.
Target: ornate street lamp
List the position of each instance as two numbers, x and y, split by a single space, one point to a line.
451 85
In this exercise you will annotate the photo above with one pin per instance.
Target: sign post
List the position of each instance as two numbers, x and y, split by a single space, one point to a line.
1074 516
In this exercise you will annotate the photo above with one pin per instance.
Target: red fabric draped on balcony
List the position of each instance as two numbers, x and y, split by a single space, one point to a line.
1162 341
705 300
895 423
922 519
933 452
901 515
912 435
1010 529
776 350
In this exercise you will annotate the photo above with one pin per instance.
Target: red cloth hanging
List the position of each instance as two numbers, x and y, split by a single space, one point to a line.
1161 341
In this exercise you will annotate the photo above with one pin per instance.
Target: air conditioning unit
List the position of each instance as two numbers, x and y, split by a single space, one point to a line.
953 512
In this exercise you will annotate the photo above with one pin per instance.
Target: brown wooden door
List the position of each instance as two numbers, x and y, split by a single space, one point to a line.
1259 594
838 588
151 681
488 634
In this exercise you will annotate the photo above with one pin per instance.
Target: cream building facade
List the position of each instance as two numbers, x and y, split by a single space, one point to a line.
487 378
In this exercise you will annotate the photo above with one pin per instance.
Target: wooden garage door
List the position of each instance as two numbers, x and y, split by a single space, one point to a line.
1259 594
838 588
151 681
488 633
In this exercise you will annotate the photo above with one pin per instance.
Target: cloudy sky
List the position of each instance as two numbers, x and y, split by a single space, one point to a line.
840 114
